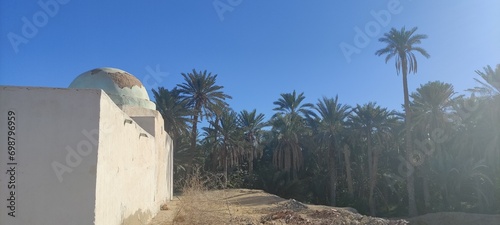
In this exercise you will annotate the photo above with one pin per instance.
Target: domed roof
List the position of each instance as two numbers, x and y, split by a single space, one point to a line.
122 87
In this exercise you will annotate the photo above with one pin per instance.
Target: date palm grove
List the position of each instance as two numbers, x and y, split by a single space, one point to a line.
439 153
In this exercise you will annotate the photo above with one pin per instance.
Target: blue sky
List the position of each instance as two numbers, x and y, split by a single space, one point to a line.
258 48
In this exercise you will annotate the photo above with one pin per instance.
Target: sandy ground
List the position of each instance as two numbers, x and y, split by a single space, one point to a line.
166 216
245 206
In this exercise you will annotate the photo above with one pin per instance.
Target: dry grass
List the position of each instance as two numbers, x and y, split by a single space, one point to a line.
198 205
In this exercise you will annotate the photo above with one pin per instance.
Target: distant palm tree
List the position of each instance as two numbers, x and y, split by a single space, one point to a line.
431 105
489 101
432 108
490 86
251 123
229 141
291 103
201 95
287 132
288 128
332 117
401 45
375 124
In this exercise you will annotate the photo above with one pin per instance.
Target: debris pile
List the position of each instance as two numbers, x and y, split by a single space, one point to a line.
292 204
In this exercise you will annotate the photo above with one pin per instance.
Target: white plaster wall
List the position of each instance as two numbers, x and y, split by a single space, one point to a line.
169 168
81 160
128 163
50 130
152 121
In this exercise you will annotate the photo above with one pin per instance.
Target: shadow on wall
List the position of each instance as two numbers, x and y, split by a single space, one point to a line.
138 218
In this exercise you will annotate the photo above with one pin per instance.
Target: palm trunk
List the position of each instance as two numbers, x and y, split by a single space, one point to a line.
373 182
371 170
250 160
194 132
347 159
225 154
332 175
410 183
425 183
193 143
225 169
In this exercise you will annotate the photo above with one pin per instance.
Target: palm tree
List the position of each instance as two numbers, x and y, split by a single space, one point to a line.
291 103
251 123
489 103
288 128
490 95
401 45
229 141
375 124
173 110
175 117
490 86
332 117
432 104
201 95
287 132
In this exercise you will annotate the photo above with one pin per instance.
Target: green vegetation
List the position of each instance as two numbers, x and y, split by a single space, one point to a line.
441 154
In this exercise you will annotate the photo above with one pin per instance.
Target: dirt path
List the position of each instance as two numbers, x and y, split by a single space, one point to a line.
245 206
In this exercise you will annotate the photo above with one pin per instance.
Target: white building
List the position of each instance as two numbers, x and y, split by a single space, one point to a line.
94 153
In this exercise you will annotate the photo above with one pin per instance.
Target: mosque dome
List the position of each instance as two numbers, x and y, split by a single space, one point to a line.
122 87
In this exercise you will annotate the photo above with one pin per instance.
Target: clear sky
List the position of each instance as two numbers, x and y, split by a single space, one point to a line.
258 48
